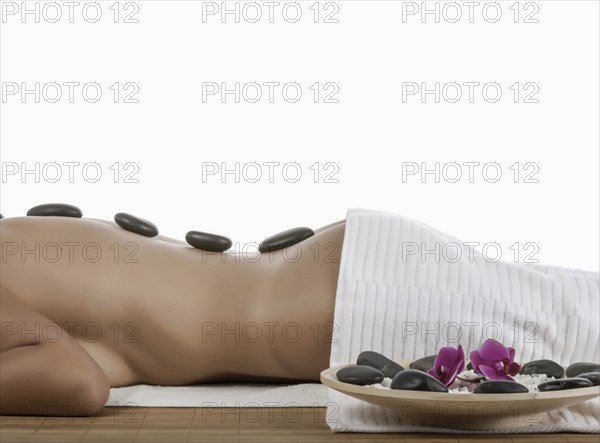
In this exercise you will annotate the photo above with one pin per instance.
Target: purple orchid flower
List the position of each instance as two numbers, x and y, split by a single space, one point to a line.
495 361
449 362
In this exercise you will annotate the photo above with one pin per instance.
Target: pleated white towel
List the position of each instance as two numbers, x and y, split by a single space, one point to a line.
405 290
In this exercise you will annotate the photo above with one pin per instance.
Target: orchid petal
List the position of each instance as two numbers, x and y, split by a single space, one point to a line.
446 356
493 350
448 362
459 358
492 374
506 377
488 372
452 376
475 360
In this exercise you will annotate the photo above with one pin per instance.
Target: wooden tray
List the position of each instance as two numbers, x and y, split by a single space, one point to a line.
462 411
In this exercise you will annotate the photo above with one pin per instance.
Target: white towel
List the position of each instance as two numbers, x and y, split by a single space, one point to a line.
237 395
394 292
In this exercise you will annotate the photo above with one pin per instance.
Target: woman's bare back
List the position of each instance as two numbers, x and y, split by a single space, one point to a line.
157 311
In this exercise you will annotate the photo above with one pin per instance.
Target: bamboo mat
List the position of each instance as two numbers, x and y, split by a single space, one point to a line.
223 425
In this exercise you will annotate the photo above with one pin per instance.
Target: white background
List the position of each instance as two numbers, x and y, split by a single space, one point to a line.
369 134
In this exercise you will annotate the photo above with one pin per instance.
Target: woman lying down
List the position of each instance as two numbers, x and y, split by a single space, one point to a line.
87 305
90 304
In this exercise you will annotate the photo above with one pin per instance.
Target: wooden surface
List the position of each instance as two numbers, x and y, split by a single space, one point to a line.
260 425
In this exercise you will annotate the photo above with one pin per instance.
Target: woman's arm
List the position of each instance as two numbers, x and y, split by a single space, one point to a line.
40 375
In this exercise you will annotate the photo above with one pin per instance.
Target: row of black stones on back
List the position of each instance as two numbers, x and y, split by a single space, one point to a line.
372 367
197 239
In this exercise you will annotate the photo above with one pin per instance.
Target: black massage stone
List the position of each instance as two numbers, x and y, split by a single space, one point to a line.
1 216
415 380
548 367
208 242
423 364
470 377
55 210
388 367
564 383
136 224
594 377
359 375
285 239
500 387
581 368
